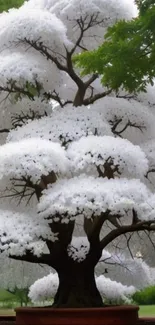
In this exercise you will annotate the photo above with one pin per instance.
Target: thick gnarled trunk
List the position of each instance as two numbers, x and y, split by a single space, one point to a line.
77 288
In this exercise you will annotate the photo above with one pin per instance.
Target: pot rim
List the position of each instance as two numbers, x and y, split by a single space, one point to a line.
76 310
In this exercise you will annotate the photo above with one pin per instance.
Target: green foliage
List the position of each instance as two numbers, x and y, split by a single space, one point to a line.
127 57
145 296
143 5
21 295
7 4
6 296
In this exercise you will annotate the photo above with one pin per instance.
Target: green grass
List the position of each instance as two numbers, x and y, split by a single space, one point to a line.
7 312
6 296
147 311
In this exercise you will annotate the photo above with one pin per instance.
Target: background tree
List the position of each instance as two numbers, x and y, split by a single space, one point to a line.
16 277
7 4
127 58
76 161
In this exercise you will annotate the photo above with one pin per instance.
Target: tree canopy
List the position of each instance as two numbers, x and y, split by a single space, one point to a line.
127 58
7 4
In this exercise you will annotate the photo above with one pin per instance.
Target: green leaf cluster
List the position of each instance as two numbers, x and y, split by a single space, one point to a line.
7 4
127 57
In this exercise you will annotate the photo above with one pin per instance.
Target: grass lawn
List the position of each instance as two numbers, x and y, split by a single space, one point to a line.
147 311
7 312
6 296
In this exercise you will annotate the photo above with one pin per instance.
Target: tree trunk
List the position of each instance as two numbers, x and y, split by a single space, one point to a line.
77 288
78 101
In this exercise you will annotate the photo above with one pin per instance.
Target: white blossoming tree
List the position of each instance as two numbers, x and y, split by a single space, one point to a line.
75 165
17 276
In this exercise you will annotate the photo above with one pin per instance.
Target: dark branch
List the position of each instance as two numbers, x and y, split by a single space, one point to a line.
117 121
30 257
143 225
25 188
91 79
22 118
40 47
15 89
109 169
55 96
72 73
91 100
68 68
5 130
151 170
84 24
93 226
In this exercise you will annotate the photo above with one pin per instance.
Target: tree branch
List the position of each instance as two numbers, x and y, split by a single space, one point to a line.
15 89
93 226
91 100
84 24
72 73
140 226
5 130
55 96
68 68
40 47
30 257
91 79
19 119
109 169
116 122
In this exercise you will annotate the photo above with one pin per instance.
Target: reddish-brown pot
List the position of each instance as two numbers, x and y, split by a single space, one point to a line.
121 315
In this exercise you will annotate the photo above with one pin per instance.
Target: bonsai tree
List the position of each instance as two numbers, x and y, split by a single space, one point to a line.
75 159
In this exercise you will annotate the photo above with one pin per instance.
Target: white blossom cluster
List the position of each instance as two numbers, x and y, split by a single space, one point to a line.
78 248
27 68
114 292
105 11
127 111
34 25
20 232
34 158
89 196
96 150
44 288
64 126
